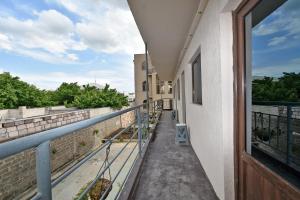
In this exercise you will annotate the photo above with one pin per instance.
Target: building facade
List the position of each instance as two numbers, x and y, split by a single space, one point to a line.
158 89
207 48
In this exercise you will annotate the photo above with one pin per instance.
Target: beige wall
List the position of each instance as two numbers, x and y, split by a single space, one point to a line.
140 76
211 124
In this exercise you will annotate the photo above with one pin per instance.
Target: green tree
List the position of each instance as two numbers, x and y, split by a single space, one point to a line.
66 93
15 93
286 88
92 97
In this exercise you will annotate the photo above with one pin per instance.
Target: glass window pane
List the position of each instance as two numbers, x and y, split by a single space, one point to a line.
197 85
272 43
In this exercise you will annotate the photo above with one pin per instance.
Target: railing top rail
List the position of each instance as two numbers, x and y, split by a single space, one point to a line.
18 145
276 103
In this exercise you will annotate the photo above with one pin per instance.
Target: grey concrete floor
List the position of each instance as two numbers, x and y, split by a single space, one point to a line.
172 172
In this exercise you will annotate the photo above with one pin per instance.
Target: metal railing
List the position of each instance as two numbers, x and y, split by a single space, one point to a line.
277 126
41 142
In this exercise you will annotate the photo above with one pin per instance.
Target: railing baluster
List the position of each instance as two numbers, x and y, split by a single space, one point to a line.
269 130
277 134
43 171
138 112
289 134
255 126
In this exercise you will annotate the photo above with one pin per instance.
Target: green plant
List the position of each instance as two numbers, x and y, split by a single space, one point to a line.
82 143
85 197
54 151
262 134
95 132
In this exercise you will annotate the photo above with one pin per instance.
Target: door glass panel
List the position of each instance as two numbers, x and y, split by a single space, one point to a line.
272 43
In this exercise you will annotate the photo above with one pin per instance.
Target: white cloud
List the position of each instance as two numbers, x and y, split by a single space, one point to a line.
4 42
49 37
103 26
282 21
277 40
277 70
72 56
54 79
106 26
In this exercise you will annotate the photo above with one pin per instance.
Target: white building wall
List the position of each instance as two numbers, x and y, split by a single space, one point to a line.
211 124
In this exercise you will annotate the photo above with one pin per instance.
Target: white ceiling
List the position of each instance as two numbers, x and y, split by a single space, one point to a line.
164 25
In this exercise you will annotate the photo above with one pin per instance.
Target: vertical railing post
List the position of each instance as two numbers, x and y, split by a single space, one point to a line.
139 121
255 127
277 134
289 134
43 171
147 82
269 129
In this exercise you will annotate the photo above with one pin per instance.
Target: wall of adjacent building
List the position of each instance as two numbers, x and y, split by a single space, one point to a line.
211 124
140 77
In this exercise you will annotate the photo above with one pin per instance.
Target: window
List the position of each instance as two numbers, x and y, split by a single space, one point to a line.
144 66
178 89
145 104
196 80
174 93
272 68
159 86
144 85
169 87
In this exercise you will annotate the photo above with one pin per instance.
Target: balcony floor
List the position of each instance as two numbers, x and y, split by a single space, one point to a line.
170 171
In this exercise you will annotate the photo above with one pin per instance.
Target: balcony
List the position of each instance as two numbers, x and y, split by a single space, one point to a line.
171 171
165 170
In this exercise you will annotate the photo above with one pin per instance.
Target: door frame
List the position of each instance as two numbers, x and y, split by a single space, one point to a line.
241 158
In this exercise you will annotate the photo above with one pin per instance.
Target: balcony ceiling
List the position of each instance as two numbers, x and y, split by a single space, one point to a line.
165 26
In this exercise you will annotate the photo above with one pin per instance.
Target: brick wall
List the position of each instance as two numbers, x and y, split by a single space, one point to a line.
17 173
22 127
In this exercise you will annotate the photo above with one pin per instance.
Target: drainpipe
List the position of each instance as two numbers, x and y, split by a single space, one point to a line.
147 83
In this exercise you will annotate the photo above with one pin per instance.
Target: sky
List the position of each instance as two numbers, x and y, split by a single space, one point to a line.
47 42
276 42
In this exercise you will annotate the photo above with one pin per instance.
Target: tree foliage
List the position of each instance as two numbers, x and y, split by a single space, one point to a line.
286 88
92 97
15 93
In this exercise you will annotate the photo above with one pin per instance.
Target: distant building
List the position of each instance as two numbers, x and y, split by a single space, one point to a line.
158 89
99 86
262 78
131 96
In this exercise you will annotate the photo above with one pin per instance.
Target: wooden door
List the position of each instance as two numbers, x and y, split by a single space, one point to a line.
254 181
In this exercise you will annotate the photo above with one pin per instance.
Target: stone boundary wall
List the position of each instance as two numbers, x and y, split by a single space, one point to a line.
277 110
17 172
22 127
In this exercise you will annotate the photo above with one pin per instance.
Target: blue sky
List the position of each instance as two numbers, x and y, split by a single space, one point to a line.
276 42
46 42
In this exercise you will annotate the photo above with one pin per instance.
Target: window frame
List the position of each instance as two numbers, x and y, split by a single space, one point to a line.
244 161
144 86
197 60
178 89
143 65
170 87
157 83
